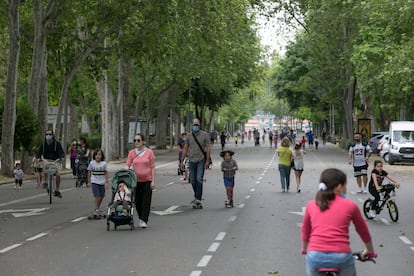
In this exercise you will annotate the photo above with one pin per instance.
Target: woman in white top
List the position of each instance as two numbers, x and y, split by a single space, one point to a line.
298 164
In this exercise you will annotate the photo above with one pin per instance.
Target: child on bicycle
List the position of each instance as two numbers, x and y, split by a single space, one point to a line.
325 227
229 168
122 197
377 177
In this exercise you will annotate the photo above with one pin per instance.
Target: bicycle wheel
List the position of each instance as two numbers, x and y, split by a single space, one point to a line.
367 208
50 178
392 210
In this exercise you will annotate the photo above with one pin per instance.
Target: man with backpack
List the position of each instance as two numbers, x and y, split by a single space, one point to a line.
358 157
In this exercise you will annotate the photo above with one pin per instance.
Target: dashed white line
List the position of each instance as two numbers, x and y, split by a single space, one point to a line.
195 273
252 190
385 221
204 261
4 250
78 219
257 182
36 237
232 218
405 240
247 197
220 236
412 248
213 247
171 183
241 205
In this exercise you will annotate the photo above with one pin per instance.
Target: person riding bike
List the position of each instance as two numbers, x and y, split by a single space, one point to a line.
325 227
51 149
375 185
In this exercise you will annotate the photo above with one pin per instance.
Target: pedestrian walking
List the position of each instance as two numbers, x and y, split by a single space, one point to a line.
142 160
229 168
38 169
73 153
358 156
18 176
197 148
316 141
298 165
98 178
285 158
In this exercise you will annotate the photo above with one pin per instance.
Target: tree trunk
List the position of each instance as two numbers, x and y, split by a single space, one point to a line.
124 98
9 113
107 108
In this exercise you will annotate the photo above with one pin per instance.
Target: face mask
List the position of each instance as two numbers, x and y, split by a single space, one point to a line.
49 138
196 128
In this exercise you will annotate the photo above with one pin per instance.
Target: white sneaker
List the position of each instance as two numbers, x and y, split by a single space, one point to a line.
142 224
372 213
365 191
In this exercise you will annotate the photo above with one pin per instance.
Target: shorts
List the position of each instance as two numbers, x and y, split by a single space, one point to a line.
38 169
361 170
98 190
229 182
18 181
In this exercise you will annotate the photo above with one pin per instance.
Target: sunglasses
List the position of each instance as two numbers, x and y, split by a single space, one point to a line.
137 140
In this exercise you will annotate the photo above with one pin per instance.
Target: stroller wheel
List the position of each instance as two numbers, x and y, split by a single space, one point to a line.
108 226
131 226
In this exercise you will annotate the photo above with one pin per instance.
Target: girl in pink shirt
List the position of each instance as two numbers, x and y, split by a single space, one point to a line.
325 227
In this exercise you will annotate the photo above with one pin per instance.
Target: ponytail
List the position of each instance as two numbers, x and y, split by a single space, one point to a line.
330 179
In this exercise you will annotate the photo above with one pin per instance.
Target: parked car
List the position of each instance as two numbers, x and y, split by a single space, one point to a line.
375 137
383 147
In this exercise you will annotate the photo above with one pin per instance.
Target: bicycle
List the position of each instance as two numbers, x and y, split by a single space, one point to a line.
387 192
332 271
51 167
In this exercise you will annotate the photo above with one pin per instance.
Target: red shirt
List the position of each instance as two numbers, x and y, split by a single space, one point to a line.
328 231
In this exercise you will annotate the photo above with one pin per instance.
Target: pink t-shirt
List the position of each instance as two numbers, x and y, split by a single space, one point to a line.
328 231
142 162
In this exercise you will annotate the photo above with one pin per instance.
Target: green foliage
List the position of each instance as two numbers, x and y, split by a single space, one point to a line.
27 125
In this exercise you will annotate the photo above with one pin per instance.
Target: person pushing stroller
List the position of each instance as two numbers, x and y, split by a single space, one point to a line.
122 198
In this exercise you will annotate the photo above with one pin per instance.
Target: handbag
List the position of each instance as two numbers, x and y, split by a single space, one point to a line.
202 150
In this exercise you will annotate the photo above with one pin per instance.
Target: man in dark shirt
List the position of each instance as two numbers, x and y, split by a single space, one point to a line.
51 149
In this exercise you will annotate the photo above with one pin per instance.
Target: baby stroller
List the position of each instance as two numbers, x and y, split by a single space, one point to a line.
118 218
81 171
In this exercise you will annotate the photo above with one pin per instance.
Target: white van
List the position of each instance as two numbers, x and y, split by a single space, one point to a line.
401 142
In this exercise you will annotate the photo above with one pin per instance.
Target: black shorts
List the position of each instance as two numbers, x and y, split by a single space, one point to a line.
361 170
38 170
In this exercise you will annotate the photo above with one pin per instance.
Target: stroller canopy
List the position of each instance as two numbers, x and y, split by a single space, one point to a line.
124 175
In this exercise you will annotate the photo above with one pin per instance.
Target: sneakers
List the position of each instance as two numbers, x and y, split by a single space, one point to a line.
142 224
372 213
364 191
58 194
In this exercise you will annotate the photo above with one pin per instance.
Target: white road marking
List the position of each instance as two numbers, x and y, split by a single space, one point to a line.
232 218
4 250
385 221
213 247
220 236
405 240
79 219
257 182
195 273
247 197
204 261
171 183
38 236
241 205
168 211
260 178
300 213
412 248
252 190
361 200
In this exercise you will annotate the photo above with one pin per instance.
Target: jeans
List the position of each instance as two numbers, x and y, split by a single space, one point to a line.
343 261
196 178
284 176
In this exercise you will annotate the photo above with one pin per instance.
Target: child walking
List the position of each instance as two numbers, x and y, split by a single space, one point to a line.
38 169
18 176
229 168
98 178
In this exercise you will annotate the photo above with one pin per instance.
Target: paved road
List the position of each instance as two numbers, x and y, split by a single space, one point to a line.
260 236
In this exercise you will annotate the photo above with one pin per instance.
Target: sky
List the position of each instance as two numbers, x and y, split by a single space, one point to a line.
275 34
